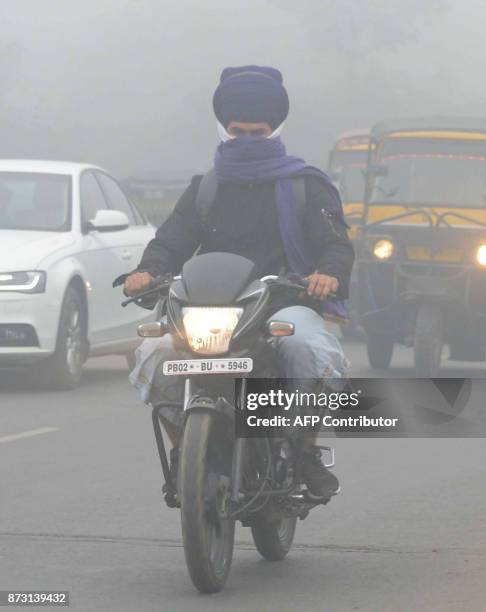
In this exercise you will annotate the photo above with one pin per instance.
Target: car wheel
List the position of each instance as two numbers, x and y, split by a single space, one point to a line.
380 350
63 370
428 341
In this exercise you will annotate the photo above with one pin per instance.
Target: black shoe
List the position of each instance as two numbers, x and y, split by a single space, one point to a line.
319 480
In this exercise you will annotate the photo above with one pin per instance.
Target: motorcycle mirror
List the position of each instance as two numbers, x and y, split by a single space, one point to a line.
279 329
154 329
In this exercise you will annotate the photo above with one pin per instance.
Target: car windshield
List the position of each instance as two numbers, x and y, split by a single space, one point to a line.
34 201
432 173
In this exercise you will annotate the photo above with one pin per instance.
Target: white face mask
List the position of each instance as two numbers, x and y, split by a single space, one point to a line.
224 136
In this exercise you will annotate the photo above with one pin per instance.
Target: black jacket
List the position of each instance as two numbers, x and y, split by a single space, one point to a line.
243 220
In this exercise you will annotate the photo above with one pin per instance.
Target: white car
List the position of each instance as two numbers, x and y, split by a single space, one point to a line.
66 231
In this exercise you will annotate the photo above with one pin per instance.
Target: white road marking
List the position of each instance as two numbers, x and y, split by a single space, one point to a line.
29 434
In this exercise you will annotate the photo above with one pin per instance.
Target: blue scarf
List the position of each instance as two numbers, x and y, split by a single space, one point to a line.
253 159
259 159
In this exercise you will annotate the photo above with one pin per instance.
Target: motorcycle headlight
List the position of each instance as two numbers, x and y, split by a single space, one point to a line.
383 249
209 329
26 282
481 255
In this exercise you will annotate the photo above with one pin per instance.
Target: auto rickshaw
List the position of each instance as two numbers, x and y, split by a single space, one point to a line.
346 167
422 246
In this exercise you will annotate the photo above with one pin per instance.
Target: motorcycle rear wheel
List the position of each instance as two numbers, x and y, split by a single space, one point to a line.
274 540
205 476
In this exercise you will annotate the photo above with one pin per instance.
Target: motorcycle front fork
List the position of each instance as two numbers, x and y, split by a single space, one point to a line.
169 488
240 445
237 470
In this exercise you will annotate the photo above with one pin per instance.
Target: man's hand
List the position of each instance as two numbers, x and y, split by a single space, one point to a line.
137 282
321 285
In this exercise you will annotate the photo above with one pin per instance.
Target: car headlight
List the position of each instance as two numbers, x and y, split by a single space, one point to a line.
383 249
209 329
26 282
481 255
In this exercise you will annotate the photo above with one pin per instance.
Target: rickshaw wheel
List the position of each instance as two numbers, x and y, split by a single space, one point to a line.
380 350
428 341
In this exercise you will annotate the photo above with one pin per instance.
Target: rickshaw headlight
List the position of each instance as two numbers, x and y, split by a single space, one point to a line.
383 249
481 255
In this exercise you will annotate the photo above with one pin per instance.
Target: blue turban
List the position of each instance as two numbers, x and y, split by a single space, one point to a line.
251 94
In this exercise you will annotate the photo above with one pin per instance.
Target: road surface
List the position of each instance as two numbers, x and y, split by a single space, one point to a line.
81 510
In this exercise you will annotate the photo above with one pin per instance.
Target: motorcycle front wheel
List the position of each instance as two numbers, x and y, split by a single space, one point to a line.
205 477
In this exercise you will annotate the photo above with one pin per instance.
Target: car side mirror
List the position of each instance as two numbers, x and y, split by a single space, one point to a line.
109 221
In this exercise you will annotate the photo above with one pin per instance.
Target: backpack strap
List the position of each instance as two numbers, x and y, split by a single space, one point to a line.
206 195
298 185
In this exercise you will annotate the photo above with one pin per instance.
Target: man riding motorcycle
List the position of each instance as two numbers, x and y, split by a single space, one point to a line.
254 213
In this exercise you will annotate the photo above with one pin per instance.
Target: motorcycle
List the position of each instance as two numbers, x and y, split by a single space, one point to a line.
219 311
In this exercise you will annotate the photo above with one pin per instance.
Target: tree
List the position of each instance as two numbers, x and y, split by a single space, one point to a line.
358 28
9 66
9 63
355 58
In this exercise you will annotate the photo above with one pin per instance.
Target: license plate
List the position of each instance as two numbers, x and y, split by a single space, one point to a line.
186 367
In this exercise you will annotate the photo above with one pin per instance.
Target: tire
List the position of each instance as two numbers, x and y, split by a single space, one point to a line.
428 341
274 540
208 538
380 350
63 370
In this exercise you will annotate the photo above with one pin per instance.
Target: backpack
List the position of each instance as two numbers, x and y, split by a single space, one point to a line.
206 195
205 198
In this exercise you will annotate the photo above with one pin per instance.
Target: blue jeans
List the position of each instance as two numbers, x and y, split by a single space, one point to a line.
312 352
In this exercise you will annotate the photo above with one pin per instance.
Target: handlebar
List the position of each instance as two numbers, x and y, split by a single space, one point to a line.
161 284
292 281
